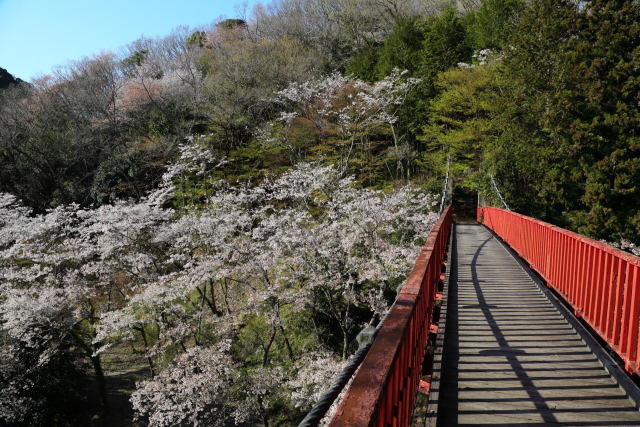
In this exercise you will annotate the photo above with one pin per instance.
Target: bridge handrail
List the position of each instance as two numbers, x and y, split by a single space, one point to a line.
600 282
384 388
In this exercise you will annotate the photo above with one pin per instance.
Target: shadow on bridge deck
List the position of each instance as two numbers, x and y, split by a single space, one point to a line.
509 357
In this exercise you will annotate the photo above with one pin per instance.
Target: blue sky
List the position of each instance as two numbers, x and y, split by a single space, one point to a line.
36 35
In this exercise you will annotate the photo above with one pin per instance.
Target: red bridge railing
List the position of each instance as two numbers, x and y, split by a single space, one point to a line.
384 388
600 282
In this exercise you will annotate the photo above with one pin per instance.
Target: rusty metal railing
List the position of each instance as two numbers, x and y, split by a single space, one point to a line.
384 389
600 282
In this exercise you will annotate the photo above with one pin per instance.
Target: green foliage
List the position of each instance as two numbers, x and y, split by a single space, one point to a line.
363 64
196 39
568 148
458 125
492 24
445 43
423 46
528 161
401 49
229 24
134 60
603 132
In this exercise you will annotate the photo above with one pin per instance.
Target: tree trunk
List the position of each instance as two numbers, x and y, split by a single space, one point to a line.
97 368
211 303
286 341
146 351
265 357
344 345
102 384
225 295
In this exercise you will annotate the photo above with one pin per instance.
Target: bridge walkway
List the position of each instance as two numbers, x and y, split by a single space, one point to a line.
508 356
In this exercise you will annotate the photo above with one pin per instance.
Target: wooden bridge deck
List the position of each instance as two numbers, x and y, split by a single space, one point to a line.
509 357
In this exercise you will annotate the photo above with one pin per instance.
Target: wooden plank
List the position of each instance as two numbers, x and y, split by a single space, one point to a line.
509 357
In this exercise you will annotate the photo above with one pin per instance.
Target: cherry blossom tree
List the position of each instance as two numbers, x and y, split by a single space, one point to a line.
341 107
231 298
191 391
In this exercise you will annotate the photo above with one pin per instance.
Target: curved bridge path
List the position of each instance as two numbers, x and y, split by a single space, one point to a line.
508 356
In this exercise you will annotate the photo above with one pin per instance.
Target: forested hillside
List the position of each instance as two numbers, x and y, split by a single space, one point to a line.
193 230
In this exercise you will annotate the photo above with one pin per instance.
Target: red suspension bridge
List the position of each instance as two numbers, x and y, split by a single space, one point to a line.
510 321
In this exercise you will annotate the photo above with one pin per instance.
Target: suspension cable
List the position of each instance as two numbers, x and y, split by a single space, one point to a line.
495 187
322 406
446 185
